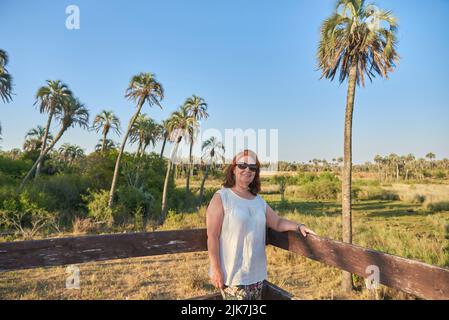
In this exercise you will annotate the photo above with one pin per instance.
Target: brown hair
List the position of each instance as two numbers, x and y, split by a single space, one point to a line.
254 186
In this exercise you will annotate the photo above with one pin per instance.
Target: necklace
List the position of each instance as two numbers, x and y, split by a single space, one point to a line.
240 194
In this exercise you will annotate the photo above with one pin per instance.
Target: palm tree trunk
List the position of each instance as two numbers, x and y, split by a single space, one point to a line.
44 145
139 148
119 157
189 172
347 170
167 178
142 153
163 145
200 198
42 156
103 144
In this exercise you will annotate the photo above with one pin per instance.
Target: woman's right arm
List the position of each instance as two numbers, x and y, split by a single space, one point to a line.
214 221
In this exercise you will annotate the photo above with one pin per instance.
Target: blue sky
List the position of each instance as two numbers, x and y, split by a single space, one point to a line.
253 62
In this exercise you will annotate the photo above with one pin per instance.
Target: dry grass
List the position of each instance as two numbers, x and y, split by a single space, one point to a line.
431 192
397 227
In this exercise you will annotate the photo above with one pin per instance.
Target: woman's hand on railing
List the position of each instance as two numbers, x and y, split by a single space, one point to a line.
305 231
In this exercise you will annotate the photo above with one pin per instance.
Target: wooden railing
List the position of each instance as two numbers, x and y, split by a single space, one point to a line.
413 277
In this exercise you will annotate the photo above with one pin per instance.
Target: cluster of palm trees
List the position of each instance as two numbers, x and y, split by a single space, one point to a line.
106 121
34 137
69 153
59 103
389 167
405 167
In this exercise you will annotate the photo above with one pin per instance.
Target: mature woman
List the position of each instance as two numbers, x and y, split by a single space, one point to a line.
237 218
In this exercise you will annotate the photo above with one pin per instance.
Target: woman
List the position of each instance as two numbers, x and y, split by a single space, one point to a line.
237 218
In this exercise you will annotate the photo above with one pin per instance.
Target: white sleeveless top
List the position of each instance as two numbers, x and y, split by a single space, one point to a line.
242 239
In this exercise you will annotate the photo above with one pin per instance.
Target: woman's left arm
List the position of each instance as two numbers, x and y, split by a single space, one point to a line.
281 225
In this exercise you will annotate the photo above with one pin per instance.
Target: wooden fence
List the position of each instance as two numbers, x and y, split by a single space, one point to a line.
413 277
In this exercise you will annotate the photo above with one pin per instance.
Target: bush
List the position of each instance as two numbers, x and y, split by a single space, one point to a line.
99 169
419 199
14 168
326 186
141 183
366 183
438 206
59 192
376 193
321 190
83 226
22 216
132 199
440 174
282 182
97 207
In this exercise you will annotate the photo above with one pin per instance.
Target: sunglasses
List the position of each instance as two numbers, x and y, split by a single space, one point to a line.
243 166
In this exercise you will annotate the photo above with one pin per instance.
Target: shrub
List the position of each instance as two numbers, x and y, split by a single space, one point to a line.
419 199
376 193
321 190
83 226
99 169
132 199
282 182
440 174
14 168
59 192
366 183
20 215
323 187
438 206
97 206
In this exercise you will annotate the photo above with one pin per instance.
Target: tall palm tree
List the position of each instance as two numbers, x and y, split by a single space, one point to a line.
356 40
5 78
68 153
142 88
152 136
165 134
34 137
73 113
181 125
431 156
213 150
409 165
145 131
105 145
197 109
105 121
50 99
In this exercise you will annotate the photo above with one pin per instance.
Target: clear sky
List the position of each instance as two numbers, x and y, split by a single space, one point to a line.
253 61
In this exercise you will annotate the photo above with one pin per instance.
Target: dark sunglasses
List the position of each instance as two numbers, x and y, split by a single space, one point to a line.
243 166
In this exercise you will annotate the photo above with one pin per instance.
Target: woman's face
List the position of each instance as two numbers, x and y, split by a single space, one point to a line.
244 176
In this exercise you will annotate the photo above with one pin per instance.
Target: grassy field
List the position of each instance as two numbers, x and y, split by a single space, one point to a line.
403 227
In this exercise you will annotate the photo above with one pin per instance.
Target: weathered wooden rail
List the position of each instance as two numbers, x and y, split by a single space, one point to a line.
414 277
